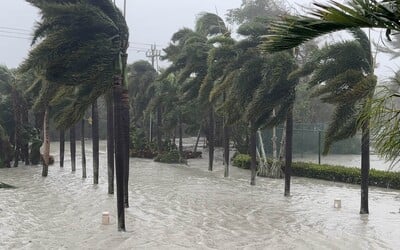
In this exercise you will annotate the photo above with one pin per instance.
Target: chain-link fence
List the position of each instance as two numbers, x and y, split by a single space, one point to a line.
308 141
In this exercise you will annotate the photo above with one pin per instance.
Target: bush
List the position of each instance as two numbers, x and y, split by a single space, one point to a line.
170 157
139 146
377 178
241 161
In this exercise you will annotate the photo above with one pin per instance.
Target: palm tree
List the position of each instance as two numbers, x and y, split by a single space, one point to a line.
62 147
292 31
188 53
84 175
110 142
83 44
95 139
255 85
72 147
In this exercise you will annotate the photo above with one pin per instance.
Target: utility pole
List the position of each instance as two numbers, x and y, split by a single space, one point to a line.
153 54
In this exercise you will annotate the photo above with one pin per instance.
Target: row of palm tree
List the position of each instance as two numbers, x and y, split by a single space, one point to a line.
244 85
80 53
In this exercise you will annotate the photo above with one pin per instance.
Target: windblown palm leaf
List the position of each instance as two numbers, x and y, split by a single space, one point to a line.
292 31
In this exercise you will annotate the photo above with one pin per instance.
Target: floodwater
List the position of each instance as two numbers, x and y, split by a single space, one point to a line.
187 207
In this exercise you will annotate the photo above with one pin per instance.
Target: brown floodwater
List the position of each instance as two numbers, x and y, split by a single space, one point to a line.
188 207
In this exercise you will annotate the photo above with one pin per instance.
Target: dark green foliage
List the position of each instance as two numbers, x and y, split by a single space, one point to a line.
242 161
350 175
6 151
34 156
344 174
293 31
170 157
139 145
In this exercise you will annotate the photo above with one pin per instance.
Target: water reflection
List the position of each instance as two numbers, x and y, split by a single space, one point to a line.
187 207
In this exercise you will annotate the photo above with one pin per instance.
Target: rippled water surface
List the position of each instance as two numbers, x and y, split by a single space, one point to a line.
187 207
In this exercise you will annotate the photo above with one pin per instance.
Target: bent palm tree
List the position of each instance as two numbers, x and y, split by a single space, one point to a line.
83 44
292 31
188 53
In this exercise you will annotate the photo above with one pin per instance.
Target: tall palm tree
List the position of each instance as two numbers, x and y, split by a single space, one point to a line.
83 44
256 85
62 147
95 141
110 142
72 147
188 53
292 31
83 151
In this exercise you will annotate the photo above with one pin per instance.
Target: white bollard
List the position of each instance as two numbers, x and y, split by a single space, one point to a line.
337 203
105 218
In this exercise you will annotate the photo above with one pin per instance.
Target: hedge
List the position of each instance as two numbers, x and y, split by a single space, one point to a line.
350 175
377 178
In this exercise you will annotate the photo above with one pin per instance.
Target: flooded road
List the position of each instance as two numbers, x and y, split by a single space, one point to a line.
187 207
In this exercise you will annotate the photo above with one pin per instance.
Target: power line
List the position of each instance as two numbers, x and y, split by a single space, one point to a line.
147 44
12 28
14 32
16 37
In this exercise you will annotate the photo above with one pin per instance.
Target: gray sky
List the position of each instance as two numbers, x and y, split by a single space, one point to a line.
150 21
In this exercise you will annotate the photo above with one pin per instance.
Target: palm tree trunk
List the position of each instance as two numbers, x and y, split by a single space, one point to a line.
17 127
46 146
180 132
253 155
25 147
83 148
288 150
364 168
72 146
126 130
197 140
226 147
110 143
159 128
95 138
62 147
211 139
119 151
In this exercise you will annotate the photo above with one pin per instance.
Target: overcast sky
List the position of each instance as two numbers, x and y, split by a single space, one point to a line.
150 21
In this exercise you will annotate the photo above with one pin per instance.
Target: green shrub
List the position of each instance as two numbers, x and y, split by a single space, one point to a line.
377 178
139 146
241 161
170 157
